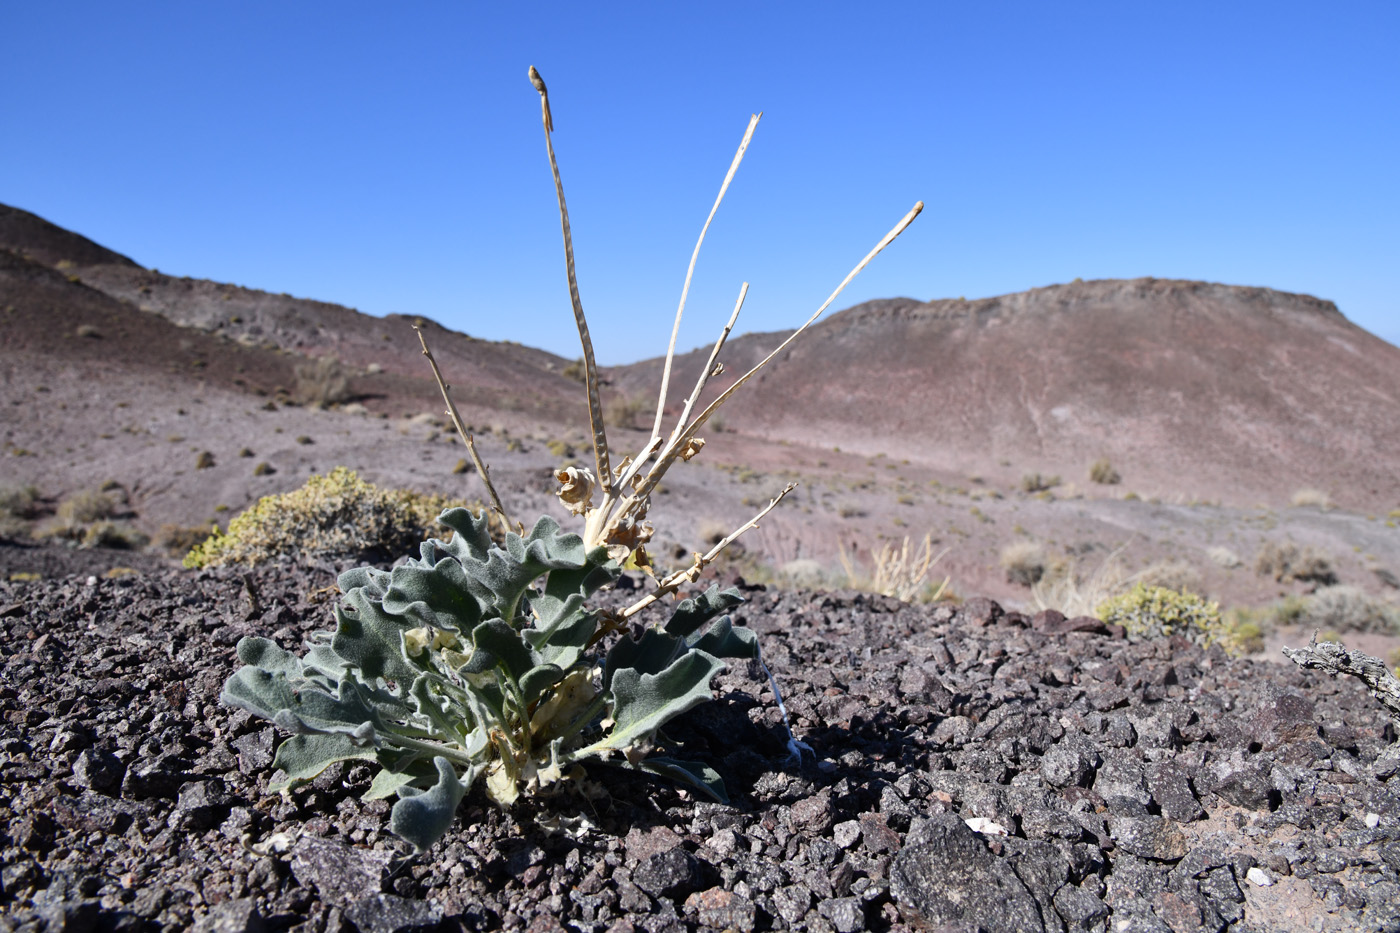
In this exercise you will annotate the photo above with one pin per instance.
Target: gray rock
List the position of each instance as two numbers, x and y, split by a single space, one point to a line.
845 913
945 874
671 874
1080 910
97 770
341 875
1170 787
1148 837
200 806
240 916
1122 784
389 913
1069 763
723 910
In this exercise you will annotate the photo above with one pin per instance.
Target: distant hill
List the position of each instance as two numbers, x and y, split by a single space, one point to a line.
1191 389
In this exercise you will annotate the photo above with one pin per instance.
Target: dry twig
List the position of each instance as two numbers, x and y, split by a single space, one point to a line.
1336 659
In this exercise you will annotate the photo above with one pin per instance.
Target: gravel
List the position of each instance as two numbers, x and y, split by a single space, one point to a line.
1144 786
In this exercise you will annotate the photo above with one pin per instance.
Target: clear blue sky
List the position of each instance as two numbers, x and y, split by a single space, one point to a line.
389 157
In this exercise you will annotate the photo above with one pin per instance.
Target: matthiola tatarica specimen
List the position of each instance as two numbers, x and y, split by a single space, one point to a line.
476 661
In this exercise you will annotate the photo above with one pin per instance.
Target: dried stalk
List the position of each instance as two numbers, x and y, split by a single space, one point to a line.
595 405
462 429
1335 659
690 271
679 578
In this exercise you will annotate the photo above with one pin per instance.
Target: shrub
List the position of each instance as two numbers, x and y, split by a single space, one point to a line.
337 516
1036 482
1311 498
1348 609
1102 472
204 461
322 382
485 661
1287 561
1155 612
575 371
1024 562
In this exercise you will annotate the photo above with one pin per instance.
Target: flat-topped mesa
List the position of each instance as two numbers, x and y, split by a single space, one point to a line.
1127 294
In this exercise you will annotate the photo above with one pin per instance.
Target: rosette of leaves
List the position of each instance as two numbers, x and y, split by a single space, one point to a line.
477 661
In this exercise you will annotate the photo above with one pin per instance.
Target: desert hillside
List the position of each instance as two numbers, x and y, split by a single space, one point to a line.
1209 391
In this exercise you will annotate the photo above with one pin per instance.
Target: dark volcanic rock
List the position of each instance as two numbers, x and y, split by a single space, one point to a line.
945 874
1137 784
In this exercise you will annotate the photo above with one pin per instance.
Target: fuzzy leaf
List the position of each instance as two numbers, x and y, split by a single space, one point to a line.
694 773
497 644
264 653
649 654
642 703
305 756
421 817
694 612
371 639
439 594
387 783
371 579
724 639
538 680
471 535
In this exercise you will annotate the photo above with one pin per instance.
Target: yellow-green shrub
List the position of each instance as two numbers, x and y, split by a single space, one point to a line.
336 516
1155 611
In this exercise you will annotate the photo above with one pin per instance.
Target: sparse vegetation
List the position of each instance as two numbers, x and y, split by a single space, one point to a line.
18 505
575 371
1102 472
1223 557
1348 609
204 461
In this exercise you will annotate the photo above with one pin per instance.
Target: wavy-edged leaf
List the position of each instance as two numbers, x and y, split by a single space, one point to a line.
371 640
650 654
724 639
371 579
264 653
303 757
422 816
387 783
694 612
443 595
497 645
642 703
692 773
471 534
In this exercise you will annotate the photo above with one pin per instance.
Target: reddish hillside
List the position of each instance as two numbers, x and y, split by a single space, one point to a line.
1190 389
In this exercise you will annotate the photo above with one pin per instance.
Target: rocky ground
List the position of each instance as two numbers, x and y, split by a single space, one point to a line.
972 769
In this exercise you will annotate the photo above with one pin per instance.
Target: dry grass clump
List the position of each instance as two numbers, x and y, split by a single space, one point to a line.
1102 472
1175 575
181 539
90 518
1287 561
1311 498
1024 562
18 505
899 572
322 382
337 516
1223 557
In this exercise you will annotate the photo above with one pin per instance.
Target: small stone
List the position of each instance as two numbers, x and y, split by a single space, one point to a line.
671 874
846 834
1148 837
1373 820
238 916
389 913
342 875
845 913
1080 910
1258 877
723 910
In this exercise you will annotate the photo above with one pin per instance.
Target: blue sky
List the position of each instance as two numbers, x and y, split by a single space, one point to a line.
389 157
